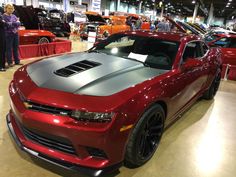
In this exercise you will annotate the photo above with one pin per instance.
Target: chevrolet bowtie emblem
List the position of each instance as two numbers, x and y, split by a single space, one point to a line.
27 105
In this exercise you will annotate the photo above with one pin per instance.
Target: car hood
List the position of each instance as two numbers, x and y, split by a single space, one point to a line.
180 28
27 16
110 75
95 18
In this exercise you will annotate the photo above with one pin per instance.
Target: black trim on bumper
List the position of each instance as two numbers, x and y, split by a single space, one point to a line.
81 169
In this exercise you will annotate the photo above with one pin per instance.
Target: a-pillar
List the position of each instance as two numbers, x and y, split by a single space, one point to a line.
211 15
162 11
195 12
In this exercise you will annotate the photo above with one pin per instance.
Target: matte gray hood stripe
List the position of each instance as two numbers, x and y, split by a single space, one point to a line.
113 75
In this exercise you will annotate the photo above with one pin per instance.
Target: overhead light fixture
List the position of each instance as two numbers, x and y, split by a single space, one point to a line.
160 3
230 0
193 2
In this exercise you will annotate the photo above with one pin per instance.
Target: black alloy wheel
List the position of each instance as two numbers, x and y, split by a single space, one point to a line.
151 135
145 137
216 84
43 40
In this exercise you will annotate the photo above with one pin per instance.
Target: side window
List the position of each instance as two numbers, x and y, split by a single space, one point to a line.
192 50
223 42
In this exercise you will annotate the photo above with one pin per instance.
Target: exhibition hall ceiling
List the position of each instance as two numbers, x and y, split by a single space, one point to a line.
222 8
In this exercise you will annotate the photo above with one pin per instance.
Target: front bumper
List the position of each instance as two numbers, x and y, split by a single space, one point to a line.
83 170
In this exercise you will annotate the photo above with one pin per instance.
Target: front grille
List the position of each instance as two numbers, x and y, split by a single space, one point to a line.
76 68
47 109
48 142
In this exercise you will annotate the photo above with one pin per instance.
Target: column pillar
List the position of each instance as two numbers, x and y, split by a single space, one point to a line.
140 7
65 5
162 11
195 12
28 2
79 2
118 5
35 3
210 15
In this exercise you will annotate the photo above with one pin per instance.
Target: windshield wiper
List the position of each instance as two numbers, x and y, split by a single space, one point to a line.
94 51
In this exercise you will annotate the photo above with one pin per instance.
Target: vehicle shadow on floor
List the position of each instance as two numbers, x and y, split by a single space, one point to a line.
188 119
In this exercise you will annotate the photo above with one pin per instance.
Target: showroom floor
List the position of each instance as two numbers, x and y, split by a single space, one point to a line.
200 144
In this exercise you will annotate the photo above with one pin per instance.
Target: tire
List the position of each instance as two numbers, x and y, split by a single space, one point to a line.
211 92
145 137
43 40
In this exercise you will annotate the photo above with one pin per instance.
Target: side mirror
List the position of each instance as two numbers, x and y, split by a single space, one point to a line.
191 63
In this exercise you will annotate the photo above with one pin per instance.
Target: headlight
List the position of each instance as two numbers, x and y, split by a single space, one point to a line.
92 116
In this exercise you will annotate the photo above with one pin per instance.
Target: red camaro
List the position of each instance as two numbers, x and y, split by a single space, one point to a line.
93 110
227 42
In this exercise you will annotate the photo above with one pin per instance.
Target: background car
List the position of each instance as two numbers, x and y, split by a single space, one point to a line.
213 34
189 29
27 37
228 47
103 26
41 19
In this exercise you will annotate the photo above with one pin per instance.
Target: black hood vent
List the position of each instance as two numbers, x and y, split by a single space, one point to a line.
76 68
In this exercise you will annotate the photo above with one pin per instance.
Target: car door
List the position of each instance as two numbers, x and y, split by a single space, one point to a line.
188 82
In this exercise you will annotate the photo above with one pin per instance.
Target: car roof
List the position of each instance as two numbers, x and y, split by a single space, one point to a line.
172 36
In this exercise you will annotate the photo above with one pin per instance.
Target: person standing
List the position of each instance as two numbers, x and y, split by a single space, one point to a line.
138 23
161 26
2 44
11 32
129 22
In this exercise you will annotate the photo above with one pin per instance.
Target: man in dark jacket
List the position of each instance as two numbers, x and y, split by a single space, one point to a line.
2 44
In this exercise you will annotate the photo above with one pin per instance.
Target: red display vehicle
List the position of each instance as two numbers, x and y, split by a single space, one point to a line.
227 42
35 37
93 110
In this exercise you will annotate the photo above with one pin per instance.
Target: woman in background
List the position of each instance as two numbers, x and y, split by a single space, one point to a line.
11 32
2 44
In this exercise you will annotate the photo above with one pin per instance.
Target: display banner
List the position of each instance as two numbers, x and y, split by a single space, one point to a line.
96 5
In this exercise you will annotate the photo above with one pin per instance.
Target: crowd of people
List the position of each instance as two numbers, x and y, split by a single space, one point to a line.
160 26
9 39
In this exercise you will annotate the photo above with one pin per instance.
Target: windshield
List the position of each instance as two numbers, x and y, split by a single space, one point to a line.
151 51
